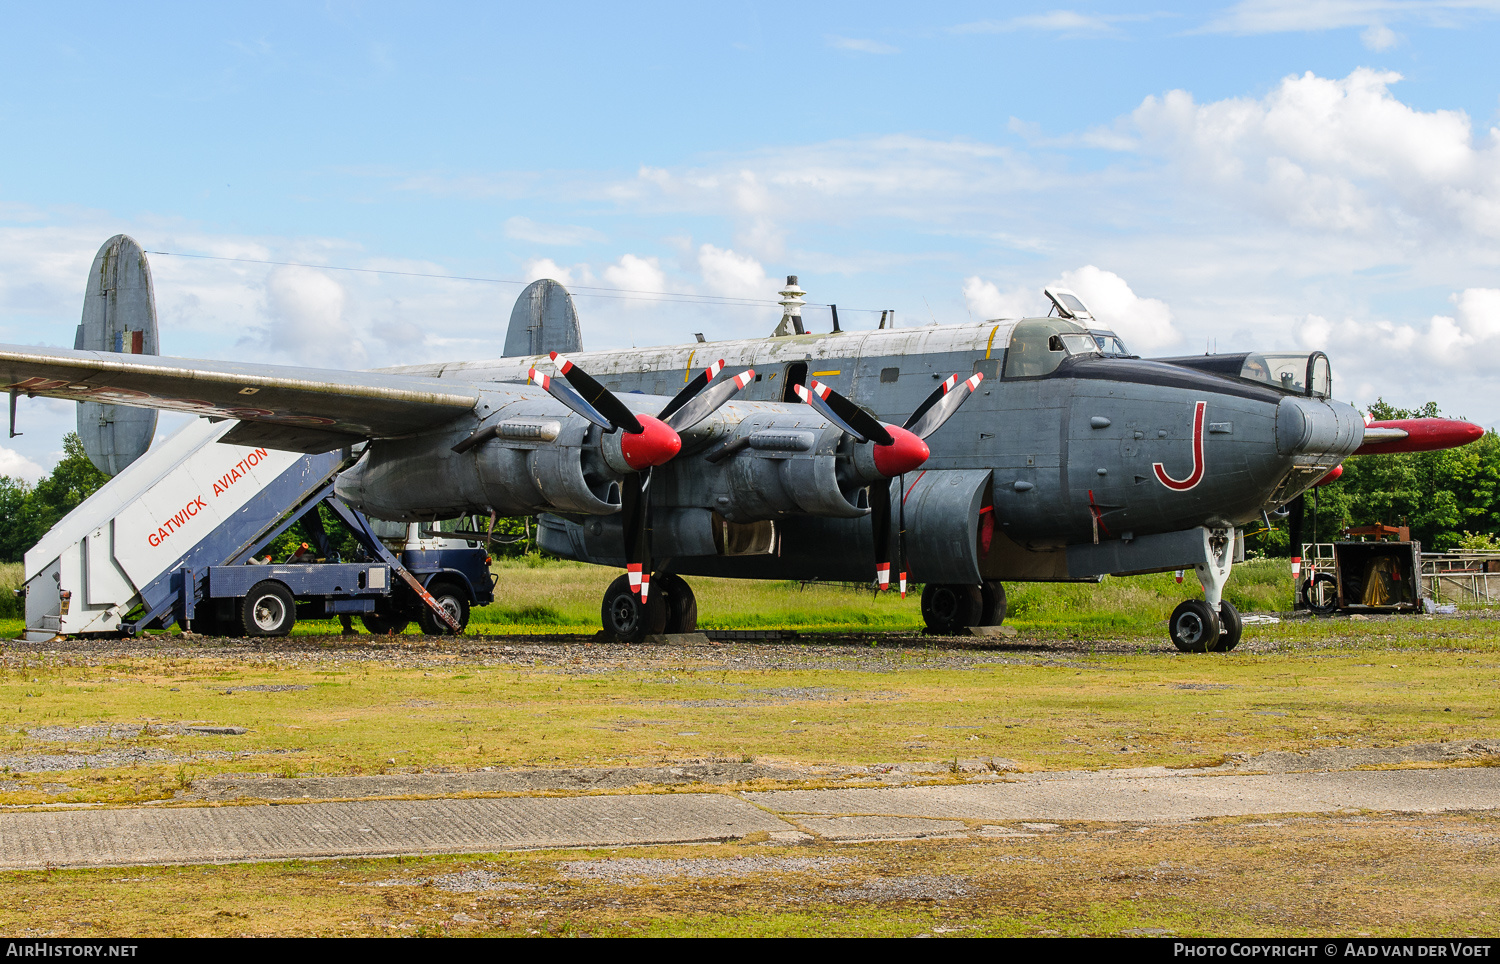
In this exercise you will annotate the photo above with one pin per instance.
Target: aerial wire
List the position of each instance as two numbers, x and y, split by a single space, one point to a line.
588 291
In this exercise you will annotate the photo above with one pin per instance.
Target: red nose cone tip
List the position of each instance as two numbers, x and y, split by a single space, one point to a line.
1423 435
905 453
1333 476
654 444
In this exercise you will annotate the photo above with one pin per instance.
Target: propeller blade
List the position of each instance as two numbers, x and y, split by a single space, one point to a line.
561 392
880 519
691 389
941 404
896 450
901 537
707 402
633 507
844 413
601 398
931 400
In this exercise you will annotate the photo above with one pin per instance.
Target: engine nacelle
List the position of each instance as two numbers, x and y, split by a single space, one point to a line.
775 464
520 458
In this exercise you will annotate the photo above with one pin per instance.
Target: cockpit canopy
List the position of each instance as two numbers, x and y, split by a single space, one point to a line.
1038 345
1296 373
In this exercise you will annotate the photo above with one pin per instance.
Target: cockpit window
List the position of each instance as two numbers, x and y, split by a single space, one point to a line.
1110 345
1297 373
1039 345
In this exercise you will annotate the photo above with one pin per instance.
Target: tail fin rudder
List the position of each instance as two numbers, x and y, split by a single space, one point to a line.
119 314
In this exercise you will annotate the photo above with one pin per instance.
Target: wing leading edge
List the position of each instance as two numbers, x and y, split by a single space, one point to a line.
280 406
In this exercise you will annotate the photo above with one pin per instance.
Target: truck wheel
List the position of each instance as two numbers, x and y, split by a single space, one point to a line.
268 610
626 619
451 598
1321 593
379 624
947 608
1194 626
992 613
682 605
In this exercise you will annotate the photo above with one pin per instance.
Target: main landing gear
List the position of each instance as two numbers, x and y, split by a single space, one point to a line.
670 607
1210 624
948 608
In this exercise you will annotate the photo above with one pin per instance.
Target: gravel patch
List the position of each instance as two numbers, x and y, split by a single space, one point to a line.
640 869
101 732
475 881
887 889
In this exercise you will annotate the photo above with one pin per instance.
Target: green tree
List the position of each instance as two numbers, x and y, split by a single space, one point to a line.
27 511
74 479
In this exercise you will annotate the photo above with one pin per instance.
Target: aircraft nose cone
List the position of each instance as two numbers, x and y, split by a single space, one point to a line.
905 453
654 444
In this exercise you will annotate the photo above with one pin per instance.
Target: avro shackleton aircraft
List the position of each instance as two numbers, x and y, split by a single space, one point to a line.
968 455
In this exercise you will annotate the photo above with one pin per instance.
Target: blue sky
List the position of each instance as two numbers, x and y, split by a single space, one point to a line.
1263 174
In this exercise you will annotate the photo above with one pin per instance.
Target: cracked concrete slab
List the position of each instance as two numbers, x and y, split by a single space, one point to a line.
1096 797
369 828
1016 808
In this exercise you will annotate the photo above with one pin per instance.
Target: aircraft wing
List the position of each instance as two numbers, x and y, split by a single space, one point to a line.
279 406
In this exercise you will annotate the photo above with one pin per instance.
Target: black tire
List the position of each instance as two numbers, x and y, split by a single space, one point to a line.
452 598
992 612
268 610
1194 626
1231 627
947 608
1320 593
626 619
682 605
383 624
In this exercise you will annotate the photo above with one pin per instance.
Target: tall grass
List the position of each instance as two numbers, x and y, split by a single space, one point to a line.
553 596
12 577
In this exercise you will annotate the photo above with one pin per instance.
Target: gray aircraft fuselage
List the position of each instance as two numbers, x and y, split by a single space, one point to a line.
1076 450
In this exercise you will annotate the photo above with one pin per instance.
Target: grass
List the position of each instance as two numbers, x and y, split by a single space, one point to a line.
559 706
1041 699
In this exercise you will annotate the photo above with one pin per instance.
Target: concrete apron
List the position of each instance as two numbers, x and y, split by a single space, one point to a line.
1021 805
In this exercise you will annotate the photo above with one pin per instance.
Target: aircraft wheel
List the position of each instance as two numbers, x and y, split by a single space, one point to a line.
451 598
384 624
682 605
626 619
1194 626
1231 627
992 612
268 610
947 608
1321 593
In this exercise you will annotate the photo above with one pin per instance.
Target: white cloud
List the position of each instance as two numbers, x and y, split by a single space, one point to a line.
1066 22
1333 155
539 268
1144 323
642 275
863 46
17 466
734 275
986 301
1377 36
305 319
1289 16
525 229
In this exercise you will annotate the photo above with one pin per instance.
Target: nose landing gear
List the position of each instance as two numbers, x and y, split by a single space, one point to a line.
1210 624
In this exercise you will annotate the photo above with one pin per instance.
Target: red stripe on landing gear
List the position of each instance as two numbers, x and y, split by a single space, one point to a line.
1182 485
